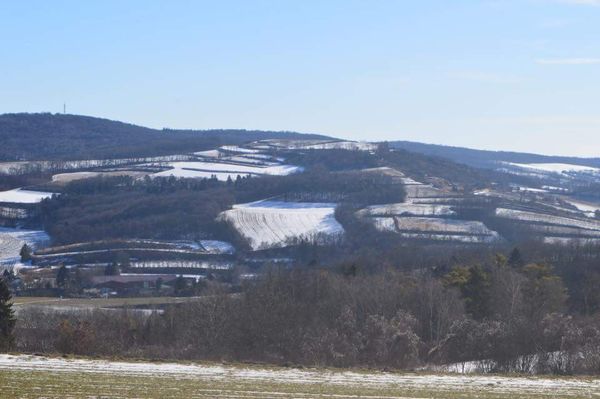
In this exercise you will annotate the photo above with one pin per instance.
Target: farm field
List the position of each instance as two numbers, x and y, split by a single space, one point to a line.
272 223
20 196
12 240
27 376
555 167
23 302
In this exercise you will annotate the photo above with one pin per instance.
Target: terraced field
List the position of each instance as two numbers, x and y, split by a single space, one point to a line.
25 376
271 223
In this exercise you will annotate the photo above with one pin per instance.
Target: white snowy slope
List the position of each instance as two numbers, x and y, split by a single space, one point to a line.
407 209
272 223
12 240
555 167
224 170
22 196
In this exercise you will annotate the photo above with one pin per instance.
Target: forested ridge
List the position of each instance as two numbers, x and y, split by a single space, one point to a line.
46 136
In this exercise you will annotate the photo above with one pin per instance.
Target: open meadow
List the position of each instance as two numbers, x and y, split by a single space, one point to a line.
24 376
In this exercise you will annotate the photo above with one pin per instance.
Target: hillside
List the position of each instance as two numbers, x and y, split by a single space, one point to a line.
488 159
48 136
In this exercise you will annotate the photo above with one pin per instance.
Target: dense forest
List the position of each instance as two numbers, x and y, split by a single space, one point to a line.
73 137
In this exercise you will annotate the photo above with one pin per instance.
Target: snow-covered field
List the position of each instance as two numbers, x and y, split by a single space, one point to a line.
36 376
12 240
562 168
570 240
465 238
273 223
197 174
527 216
440 229
24 166
564 231
217 247
442 225
21 196
407 209
73 176
343 145
182 264
223 171
589 209
316 145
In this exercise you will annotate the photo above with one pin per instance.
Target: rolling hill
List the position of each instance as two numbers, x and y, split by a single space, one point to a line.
46 136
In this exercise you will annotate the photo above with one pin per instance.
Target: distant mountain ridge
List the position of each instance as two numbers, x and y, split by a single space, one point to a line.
45 136
486 158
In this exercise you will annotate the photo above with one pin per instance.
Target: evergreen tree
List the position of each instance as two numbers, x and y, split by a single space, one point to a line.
62 277
7 317
515 259
25 253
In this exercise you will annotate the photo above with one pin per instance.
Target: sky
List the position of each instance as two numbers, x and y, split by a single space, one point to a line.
519 75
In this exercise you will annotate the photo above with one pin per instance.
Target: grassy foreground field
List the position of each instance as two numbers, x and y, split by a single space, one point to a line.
22 302
25 376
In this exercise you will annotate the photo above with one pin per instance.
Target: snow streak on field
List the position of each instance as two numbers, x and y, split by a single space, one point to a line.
12 240
273 223
223 171
316 145
217 247
439 229
73 176
408 209
555 167
181 264
33 376
535 217
587 208
21 196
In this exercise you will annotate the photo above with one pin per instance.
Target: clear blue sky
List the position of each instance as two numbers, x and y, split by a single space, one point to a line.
514 74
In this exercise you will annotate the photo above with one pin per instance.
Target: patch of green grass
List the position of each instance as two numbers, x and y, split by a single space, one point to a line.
81 384
98 302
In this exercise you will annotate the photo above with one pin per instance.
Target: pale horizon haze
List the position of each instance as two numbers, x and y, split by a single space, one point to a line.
515 75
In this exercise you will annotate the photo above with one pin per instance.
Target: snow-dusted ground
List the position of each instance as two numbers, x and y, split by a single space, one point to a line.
12 240
408 209
565 231
22 196
587 208
445 385
72 176
235 148
217 247
531 190
224 170
182 264
555 167
197 174
442 225
316 144
476 239
527 216
439 229
343 145
570 240
209 246
272 223
209 153
24 166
